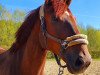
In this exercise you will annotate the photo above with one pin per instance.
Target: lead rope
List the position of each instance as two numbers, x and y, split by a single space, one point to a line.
61 70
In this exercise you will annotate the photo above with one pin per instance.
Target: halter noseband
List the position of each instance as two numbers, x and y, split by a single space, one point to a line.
68 42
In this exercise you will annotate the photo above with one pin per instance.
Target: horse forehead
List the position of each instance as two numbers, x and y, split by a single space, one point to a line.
70 16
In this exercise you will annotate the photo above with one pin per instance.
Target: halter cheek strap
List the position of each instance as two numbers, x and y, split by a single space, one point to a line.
68 42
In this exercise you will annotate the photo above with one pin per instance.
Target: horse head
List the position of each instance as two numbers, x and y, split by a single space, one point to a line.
59 34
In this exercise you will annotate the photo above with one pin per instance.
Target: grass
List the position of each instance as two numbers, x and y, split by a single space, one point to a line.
51 68
53 59
96 59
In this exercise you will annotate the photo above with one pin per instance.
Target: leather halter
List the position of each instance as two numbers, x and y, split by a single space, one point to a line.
69 41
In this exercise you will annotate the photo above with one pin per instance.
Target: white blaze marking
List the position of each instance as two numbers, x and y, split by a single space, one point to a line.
67 13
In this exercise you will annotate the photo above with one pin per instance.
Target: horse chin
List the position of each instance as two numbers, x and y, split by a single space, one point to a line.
73 70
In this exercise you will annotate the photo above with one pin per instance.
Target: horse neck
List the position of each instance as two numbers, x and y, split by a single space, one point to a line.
34 56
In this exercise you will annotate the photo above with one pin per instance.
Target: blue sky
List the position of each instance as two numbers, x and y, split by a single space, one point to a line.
87 12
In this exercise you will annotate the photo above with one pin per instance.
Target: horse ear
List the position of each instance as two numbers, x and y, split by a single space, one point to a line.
48 2
68 2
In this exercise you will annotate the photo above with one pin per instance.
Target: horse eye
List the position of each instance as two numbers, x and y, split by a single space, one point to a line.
54 19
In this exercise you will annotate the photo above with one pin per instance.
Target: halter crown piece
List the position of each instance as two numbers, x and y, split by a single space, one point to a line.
68 42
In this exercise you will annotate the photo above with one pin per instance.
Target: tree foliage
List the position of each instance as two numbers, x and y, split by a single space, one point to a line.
94 40
8 26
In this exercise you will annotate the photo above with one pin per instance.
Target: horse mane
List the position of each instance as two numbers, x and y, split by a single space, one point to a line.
59 6
24 31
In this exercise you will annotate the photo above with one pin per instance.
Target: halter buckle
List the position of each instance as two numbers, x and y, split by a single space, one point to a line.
64 44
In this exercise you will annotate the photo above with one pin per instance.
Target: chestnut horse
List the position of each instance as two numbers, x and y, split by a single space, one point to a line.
49 27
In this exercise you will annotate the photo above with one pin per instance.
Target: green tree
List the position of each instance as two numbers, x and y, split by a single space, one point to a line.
18 15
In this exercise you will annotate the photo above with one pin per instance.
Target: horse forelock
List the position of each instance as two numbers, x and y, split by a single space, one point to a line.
59 6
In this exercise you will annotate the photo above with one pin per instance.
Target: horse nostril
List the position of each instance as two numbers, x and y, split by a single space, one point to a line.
79 62
87 64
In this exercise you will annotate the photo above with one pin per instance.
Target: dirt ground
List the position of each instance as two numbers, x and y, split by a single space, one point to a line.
51 68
